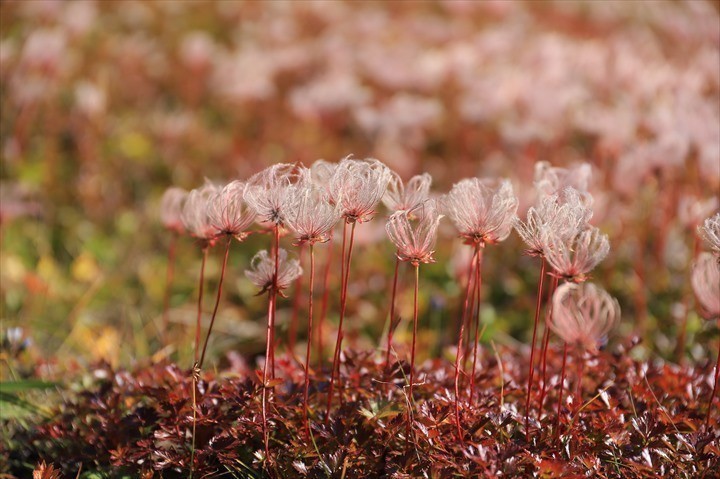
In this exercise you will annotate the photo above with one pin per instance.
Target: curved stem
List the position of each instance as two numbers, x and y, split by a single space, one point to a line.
478 286
392 313
217 300
200 299
546 341
325 301
715 385
531 372
560 397
273 293
459 352
309 338
343 303
168 286
292 333
268 352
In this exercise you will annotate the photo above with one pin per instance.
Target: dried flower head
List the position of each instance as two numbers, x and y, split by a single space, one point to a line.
583 315
400 196
171 206
262 270
270 192
551 180
706 284
321 173
573 258
566 215
195 217
358 186
482 209
311 216
229 213
710 230
415 239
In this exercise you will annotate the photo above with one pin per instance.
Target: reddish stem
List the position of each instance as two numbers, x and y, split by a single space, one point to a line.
168 285
268 352
467 317
531 372
560 397
714 389
273 293
415 321
478 286
200 299
217 300
392 313
292 333
546 341
343 303
459 352
309 338
325 301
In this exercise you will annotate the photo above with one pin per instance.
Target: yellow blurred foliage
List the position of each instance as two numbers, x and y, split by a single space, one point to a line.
84 268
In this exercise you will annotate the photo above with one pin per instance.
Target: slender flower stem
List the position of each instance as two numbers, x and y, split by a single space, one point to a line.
168 286
309 338
325 301
273 293
292 333
392 313
546 342
560 397
459 352
200 300
268 352
478 286
414 337
714 389
580 366
338 341
217 301
468 309
531 371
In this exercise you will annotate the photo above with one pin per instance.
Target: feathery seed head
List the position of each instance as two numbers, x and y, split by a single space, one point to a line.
415 238
311 216
551 180
358 186
195 212
262 271
706 284
270 192
565 215
400 196
482 209
583 315
573 258
229 213
710 230
171 206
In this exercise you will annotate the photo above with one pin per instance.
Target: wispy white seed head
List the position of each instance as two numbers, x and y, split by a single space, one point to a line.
262 270
229 213
400 196
706 284
171 206
482 209
710 231
195 217
564 214
583 315
358 186
573 258
270 192
414 232
311 216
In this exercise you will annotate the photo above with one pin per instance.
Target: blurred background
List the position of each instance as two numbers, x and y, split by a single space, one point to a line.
106 104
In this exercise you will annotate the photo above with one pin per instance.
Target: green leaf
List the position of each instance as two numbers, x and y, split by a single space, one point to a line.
26 385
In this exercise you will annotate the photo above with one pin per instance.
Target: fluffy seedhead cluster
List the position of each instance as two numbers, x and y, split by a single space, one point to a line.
358 186
415 239
262 271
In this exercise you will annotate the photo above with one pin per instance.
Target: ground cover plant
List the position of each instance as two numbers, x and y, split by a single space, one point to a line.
525 283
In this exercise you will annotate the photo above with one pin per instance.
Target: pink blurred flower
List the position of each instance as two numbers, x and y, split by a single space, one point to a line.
706 284
583 315
171 208
195 217
710 230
